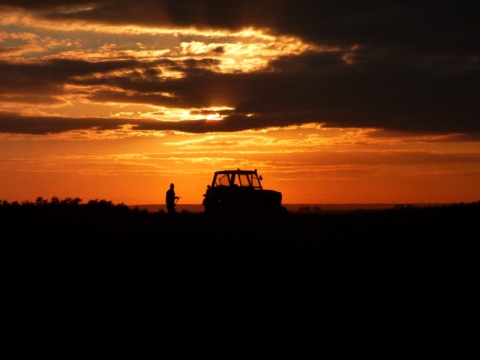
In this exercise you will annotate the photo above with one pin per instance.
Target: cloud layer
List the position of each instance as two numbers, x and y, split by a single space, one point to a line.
402 66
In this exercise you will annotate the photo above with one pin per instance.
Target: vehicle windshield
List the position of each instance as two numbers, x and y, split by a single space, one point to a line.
222 180
247 180
235 179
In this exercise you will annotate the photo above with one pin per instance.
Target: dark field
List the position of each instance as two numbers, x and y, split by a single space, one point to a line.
105 281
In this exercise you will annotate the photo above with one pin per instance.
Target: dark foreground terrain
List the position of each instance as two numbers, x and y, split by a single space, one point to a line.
104 281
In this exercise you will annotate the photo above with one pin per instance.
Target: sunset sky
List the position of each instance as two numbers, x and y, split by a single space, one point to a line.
332 101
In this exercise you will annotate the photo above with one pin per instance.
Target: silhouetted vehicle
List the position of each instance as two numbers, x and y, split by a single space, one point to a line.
241 192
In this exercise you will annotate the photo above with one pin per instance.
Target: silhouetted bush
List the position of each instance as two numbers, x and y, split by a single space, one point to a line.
68 204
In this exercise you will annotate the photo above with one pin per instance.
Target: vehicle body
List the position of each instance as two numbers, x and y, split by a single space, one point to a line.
240 191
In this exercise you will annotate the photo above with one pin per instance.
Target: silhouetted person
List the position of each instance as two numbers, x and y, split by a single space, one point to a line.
205 196
170 199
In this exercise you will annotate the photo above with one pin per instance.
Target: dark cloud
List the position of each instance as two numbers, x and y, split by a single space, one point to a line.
38 125
401 65
53 72
420 26
294 90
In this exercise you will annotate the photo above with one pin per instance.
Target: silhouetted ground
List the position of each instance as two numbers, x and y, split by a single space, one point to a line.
107 281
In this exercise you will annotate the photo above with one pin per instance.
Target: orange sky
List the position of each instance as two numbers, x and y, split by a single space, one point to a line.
102 107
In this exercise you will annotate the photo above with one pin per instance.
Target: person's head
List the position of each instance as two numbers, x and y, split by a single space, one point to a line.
172 186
